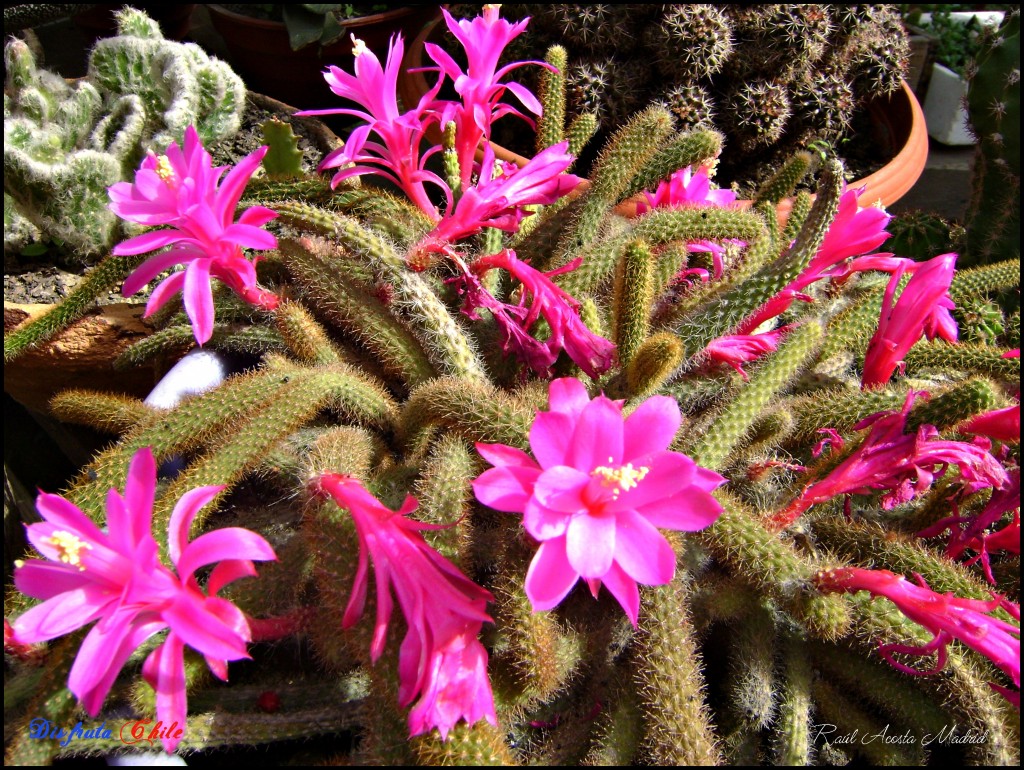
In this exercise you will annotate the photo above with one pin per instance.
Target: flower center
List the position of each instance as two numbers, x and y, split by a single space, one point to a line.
164 169
358 47
68 546
623 477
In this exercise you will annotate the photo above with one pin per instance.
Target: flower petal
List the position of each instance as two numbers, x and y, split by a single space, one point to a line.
226 543
625 591
590 544
641 551
550 576
164 669
185 510
650 428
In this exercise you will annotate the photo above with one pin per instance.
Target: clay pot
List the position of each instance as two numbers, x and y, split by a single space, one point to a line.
261 54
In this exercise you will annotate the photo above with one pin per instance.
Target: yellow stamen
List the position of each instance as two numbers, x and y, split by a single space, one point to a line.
625 477
69 546
358 47
19 563
164 169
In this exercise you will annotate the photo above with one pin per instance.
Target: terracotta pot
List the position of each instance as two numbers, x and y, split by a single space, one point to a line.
898 121
261 54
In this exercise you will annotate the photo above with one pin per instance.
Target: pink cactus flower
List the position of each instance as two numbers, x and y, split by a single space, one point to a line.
183 190
116 577
903 464
441 660
540 298
594 493
499 201
969 621
738 349
854 232
397 155
687 188
999 424
922 309
484 40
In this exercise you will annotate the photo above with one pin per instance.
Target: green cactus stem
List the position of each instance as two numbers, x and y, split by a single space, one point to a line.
792 741
964 357
677 723
106 412
738 417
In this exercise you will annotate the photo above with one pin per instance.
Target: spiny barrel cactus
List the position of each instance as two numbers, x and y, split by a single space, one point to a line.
66 143
669 492
770 77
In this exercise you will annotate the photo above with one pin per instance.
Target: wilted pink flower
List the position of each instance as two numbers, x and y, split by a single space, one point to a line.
923 308
183 190
949 617
738 349
539 298
686 188
484 40
397 156
499 201
441 660
972 532
116 577
596 493
903 464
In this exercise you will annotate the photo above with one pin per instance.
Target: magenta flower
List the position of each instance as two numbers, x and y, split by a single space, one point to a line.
117 578
902 464
949 617
499 201
972 532
183 190
922 308
596 493
540 298
999 424
441 660
397 155
854 232
738 349
484 40
692 189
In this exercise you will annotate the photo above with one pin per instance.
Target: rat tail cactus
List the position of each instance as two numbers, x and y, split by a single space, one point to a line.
681 487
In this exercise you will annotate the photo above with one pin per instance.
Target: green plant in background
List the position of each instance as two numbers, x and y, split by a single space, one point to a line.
453 345
310 23
66 143
993 102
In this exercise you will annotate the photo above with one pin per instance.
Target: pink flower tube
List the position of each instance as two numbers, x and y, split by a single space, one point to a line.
441 660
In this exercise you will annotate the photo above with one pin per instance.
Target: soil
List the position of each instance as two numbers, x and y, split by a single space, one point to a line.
48 277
